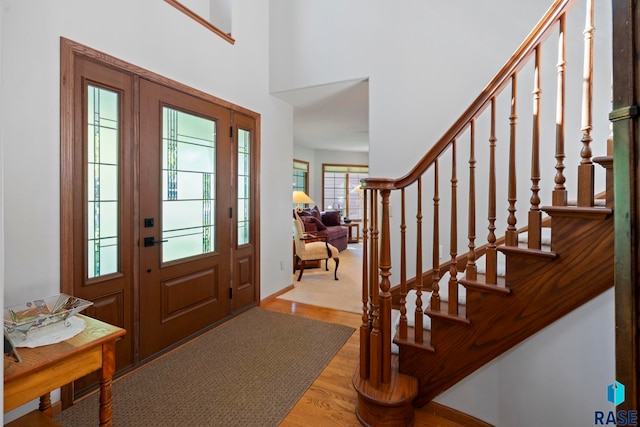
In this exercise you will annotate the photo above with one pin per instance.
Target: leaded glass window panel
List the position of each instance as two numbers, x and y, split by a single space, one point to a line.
188 185
244 186
102 147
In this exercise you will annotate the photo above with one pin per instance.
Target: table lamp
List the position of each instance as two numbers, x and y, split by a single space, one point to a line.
300 197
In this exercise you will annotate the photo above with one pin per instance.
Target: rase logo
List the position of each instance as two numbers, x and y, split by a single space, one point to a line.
615 396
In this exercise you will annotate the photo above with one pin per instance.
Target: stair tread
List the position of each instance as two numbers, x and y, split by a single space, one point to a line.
410 340
443 313
540 253
596 212
481 285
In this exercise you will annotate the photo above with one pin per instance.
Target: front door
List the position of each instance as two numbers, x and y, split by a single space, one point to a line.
185 225
159 204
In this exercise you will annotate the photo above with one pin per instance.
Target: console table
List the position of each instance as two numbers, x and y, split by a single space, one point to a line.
49 367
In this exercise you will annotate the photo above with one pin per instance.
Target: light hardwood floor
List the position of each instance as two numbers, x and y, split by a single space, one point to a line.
331 399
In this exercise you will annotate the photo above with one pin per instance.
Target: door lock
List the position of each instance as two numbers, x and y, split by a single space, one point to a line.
150 241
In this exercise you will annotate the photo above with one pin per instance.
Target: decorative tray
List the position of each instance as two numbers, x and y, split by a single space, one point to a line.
26 316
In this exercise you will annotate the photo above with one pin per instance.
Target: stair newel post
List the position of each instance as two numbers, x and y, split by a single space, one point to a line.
385 285
559 195
402 327
435 287
418 285
491 255
535 214
365 327
453 268
586 169
471 270
511 235
375 373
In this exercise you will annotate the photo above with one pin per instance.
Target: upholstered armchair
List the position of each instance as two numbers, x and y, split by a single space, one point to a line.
313 250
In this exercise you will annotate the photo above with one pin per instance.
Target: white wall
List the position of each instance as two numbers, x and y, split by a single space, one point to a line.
426 61
2 157
150 34
557 377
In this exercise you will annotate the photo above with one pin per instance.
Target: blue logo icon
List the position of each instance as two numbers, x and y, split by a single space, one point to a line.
615 393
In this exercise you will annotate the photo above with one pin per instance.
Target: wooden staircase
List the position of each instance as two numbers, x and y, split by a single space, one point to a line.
539 288
442 338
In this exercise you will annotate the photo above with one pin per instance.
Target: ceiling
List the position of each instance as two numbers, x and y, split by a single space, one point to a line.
331 117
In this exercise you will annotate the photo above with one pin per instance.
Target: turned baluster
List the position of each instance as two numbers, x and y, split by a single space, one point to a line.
402 327
418 311
375 376
535 215
586 169
365 327
491 255
471 268
511 235
559 196
453 268
435 287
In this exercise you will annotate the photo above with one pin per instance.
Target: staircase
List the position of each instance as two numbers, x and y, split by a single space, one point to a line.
425 334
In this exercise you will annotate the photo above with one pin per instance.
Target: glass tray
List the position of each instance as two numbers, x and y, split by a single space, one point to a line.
33 314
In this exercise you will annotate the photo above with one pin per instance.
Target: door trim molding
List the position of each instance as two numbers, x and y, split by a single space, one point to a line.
70 51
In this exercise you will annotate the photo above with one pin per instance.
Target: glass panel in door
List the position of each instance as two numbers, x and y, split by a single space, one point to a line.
102 147
188 185
244 186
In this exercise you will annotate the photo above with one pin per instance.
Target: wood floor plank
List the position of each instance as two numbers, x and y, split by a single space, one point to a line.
331 399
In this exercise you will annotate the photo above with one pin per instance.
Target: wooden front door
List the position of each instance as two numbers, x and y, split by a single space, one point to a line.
185 190
159 204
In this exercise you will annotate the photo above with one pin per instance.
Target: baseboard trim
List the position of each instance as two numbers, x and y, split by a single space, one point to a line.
276 295
453 415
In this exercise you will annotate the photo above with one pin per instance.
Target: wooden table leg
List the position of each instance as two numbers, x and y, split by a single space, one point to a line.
45 405
106 373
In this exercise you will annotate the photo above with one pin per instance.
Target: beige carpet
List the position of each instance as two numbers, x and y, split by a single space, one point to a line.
318 288
250 371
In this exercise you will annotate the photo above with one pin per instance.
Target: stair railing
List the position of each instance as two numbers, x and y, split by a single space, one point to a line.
376 330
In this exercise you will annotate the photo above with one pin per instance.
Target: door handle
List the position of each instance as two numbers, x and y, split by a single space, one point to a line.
150 241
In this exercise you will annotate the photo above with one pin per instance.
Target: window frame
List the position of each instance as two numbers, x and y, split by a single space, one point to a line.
346 169
306 178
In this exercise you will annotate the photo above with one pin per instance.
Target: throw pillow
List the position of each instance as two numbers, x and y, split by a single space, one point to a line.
304 212
315 212
319 226
309 226
331 218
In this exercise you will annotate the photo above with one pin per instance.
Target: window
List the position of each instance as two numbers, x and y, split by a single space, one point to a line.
103 190
300 176
339 189
244 186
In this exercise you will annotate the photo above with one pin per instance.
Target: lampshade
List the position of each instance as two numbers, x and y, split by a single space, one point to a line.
358 189
300 197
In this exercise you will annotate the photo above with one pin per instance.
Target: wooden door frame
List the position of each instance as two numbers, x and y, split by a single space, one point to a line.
69 51
626 109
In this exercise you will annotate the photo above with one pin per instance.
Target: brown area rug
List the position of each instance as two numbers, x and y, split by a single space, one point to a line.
249 371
